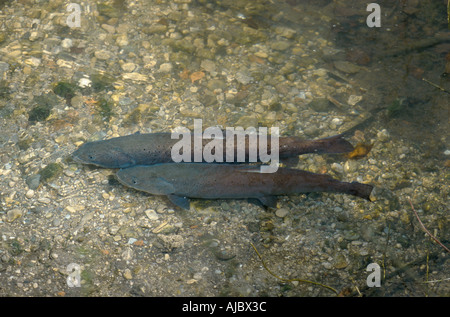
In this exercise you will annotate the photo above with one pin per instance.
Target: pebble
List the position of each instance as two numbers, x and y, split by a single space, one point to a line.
353 100
84 82
337 121
33 61
29 193
243 77
208 65
151 214
282 212
350 166
346 67
128 67
165 67
102 55
338 168
383 135
135 76
127 274
13 214
280 45
108 28
67 43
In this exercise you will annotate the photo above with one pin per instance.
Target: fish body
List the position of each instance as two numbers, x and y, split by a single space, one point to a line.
154 148
180 181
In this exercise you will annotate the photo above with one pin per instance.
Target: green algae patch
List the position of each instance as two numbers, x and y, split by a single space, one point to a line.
51 171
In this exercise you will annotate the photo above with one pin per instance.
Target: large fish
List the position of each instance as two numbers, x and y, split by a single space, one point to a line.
154 148
181 181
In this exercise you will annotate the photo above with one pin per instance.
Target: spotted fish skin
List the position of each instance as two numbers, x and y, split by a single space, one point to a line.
154 148
181 181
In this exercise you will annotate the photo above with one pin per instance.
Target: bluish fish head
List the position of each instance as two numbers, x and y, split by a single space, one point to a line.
143 179
103 155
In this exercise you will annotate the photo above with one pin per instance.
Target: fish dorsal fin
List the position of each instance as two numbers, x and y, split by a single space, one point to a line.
180 201
269 201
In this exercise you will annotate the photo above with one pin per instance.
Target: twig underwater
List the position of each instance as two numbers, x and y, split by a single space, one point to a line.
290 280
426 230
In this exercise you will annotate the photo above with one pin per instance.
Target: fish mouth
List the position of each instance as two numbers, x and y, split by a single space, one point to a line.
76 158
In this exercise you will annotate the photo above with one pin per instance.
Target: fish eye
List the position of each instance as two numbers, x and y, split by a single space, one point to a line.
134 181
91 157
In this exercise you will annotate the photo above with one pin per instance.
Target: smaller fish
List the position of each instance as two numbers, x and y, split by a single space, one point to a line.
181 181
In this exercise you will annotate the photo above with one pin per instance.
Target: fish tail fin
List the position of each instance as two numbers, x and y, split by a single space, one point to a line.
360 190
333 145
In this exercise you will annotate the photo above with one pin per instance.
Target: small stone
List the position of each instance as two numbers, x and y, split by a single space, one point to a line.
243 77
122 40
383 135
337 121
67 43
346 67
151 214
84 82
350 166
208 65
13 214
285 32
127 274
280 45
102 55
320 104
29 193
112 230
33 61
135 76
108 28
353 100
165 68
338 168
128 67
282 212
340 262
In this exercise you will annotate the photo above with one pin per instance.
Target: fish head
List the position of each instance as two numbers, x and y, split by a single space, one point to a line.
144 179
102 154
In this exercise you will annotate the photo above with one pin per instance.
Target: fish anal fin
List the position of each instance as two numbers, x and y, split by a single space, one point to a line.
180 201
290 161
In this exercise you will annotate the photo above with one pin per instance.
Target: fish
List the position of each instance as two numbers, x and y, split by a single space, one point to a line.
182 181
155 148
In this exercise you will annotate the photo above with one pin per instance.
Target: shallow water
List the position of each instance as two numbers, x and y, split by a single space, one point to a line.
311 68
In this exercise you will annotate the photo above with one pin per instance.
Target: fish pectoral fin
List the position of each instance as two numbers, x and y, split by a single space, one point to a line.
180 201
269 201
164 187
123 159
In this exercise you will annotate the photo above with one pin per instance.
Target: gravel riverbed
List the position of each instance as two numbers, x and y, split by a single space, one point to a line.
152 66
